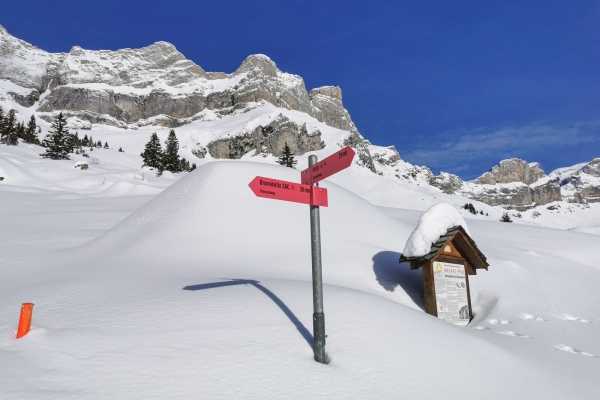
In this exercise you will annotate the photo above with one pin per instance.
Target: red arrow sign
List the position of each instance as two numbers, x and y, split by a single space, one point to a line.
328 166
289 191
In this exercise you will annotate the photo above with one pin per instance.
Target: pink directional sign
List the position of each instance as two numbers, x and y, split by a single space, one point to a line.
289 191
328 166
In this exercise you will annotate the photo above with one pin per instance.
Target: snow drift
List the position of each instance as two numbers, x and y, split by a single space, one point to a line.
211 221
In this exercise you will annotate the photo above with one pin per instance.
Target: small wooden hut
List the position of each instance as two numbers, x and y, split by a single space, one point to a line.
446 269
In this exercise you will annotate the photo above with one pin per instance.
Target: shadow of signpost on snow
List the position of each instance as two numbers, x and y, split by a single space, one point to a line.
390 274
301 328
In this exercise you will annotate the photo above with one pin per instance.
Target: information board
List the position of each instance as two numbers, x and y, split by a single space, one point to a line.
451 293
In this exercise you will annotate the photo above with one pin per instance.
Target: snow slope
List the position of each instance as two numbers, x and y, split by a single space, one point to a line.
205 292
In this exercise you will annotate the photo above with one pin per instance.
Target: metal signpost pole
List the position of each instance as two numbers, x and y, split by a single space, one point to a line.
317 278
308 192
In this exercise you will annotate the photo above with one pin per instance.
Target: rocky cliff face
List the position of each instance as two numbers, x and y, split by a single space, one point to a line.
269 139
581 185
516 184
512 170
158 85
519 191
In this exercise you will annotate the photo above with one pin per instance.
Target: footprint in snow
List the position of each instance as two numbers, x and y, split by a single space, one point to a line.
571 318
499 322
529 317
570 349
514 334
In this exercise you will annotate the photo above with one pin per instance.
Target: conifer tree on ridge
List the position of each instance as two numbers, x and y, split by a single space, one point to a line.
8 128
31 132
287 158
170 159
58 140
153 154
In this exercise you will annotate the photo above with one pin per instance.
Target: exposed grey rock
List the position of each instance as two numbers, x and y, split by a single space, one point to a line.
520 197
87 116
447 183
142 68
581 186
25 100
547 192
259 62
14 53
593 168
358 143
327 107
217 75
415 173
486 179
387 157
269 139
512 170
200 151
535 172
335 92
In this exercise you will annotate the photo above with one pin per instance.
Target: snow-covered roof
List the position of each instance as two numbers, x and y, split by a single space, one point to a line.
462 241
434 223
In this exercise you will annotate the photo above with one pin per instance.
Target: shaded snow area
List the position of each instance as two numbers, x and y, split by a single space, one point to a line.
203 291
434 223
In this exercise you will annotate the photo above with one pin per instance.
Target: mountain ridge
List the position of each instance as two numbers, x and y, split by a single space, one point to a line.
158 85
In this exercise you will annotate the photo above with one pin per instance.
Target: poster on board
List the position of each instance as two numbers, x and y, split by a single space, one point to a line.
451 293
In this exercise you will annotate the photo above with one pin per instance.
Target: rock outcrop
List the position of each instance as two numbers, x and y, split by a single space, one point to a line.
520 196
130 85
447 183
268 139
158 85
512 170
582 185
361 145
512 184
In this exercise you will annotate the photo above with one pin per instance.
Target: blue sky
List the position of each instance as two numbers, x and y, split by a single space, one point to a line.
454 85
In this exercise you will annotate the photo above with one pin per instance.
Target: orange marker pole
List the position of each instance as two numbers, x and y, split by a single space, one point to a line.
25 319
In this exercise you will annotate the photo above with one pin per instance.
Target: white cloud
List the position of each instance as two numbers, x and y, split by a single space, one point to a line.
460 151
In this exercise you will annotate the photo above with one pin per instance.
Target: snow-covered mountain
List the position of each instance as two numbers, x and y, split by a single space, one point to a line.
187 285
249 113
517 184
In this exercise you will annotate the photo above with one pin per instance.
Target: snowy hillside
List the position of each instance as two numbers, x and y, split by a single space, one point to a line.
206 289
186 285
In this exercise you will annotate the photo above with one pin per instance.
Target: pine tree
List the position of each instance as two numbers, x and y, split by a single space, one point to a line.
469 207
505 217
72 142
287 158
99 144
9 128
20 130
106 145
57 141
2 120
184 165
31 132
193 167
153 154
85 142
170 159
121 150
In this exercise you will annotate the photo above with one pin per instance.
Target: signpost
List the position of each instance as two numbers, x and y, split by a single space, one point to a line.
328 166
288 191
309 192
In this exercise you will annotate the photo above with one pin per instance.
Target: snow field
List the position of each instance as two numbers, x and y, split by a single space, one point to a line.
204 291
